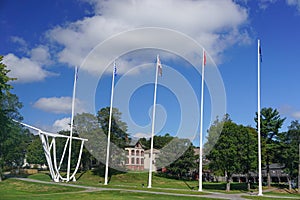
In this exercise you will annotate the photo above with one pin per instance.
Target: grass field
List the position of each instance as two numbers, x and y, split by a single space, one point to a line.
137 182
16 189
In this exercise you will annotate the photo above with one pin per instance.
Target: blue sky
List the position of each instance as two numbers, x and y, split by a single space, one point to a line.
42 41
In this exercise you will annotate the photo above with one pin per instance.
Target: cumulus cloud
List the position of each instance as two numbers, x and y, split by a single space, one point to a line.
30 67
214 24
40 55
25 69
58 105
62 124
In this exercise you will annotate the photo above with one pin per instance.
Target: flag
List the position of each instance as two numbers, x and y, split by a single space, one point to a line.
76 72
260 55
115 69
159 66
204 58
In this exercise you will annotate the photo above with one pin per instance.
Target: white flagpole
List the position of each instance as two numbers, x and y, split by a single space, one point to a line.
71 130
109 125
201 124
258 119
153 123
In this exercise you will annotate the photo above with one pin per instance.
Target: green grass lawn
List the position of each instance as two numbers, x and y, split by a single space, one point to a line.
12 189
16 189
138 181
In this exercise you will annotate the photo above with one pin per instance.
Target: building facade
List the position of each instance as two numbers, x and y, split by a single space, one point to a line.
135 156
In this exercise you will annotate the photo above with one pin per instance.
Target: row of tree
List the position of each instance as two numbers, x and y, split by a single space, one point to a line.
232 149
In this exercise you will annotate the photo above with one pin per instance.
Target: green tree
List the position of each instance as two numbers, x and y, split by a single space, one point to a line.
290 151
214 132
224 156
234 151
88 127
247 151
185 164
271 122
177 156
119 134
11 135
158 143
35 153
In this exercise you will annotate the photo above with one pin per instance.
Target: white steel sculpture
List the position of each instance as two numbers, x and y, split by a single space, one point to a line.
50 146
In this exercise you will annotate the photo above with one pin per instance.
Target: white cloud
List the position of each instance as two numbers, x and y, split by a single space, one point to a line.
40 55
25 69
58 105
290 111
21 42
213 23
264 4
142 135
62 124
294 3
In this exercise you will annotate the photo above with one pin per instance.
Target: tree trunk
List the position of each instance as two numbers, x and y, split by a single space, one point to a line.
248 180
290 183
228 183
268 173
228 186
269 179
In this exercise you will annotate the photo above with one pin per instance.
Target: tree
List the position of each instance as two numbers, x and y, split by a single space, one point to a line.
224 156
247 151
35 153
185 164
214 132
88 127
119 134
11 144
234 151
178 157
159 141
271 122
290 151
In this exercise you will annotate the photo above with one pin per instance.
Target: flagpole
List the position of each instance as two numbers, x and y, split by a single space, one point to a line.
201 124
72 119
109 125
153 123
258 119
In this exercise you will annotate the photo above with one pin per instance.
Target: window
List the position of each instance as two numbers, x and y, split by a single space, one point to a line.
137 161
142 153
142 161
138 153
132 161
132 152
127 160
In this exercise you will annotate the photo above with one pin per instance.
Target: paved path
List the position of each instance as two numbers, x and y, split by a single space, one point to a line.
94 189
